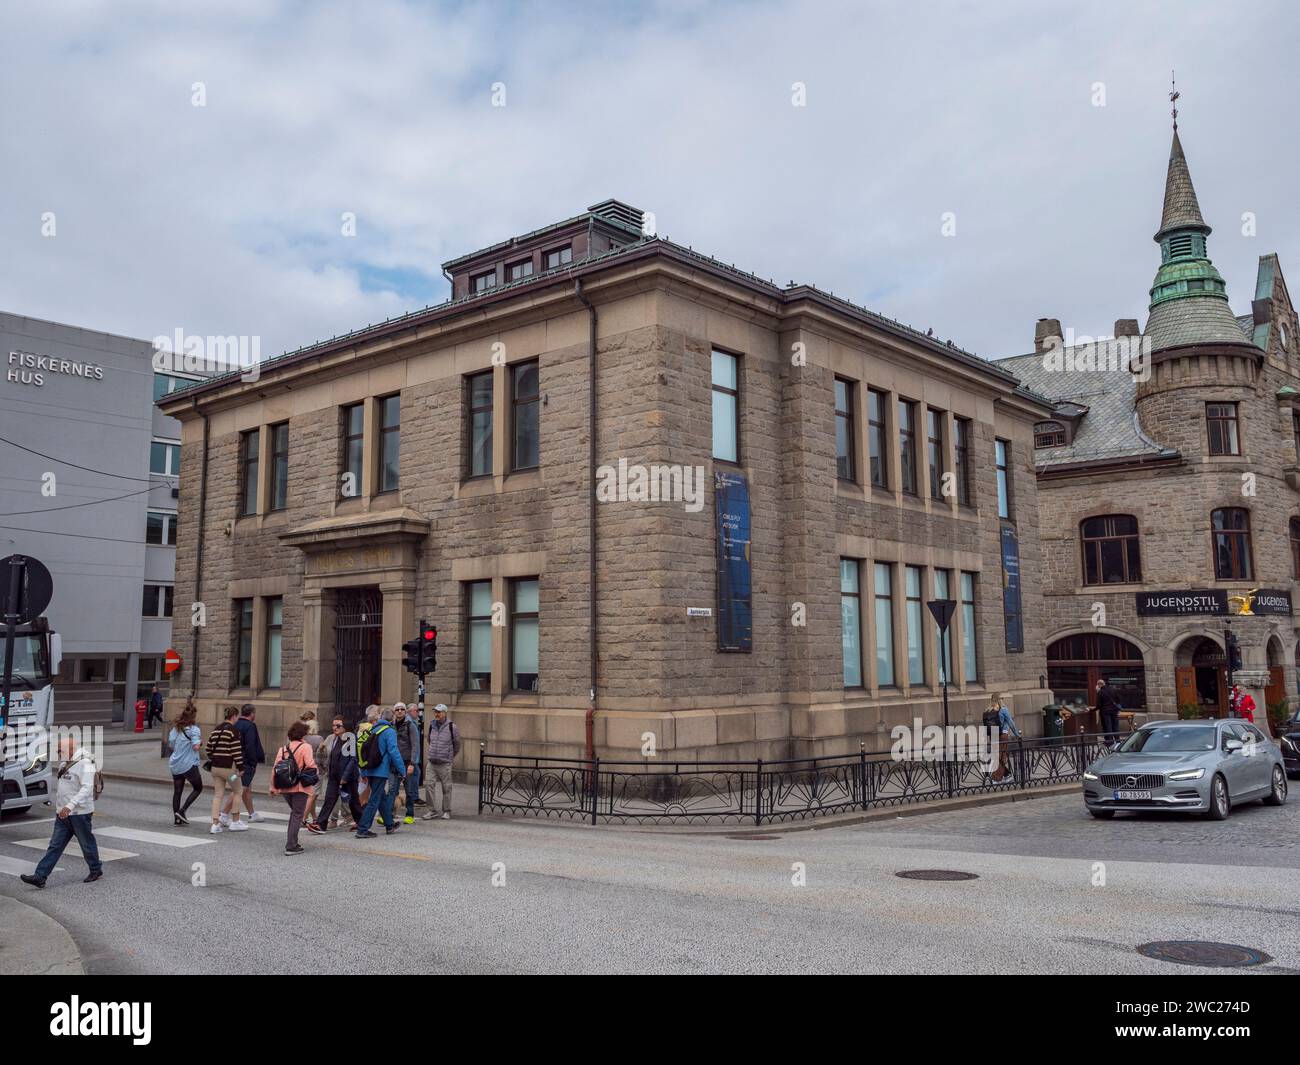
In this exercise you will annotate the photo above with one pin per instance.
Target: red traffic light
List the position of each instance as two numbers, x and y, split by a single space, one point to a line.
430 634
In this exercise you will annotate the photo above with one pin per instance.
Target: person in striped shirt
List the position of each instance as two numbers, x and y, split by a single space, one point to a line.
225 754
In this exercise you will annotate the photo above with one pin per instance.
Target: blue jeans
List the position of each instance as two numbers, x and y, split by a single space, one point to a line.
380 802
64 829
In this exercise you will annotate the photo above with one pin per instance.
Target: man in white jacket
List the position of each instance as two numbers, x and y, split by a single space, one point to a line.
76 803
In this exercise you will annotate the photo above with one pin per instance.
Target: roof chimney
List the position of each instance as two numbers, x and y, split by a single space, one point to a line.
1126 327
1044 331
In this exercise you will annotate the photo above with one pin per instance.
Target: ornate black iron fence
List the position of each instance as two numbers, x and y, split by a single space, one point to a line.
758 792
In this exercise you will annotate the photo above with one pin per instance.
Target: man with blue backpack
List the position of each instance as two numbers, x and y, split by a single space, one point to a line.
379 759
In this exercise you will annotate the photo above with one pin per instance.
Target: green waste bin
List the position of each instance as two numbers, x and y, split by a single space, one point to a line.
1052 723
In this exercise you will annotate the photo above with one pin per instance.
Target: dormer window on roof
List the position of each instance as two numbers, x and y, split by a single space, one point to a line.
557 257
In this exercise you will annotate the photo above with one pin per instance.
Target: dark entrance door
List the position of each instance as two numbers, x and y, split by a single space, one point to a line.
358 639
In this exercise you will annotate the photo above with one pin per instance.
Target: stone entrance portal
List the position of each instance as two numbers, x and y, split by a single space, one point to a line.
358 601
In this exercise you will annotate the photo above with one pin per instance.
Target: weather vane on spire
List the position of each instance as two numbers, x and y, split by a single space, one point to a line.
1173 99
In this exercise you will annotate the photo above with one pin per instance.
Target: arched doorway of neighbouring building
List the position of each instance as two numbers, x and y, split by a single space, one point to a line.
1201 677
1276 690
1076 663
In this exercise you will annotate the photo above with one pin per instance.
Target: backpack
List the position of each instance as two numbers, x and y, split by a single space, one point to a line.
368 750
992 718
285 774
98 787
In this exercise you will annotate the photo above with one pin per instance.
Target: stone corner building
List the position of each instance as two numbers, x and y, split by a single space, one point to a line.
1167 491
443 466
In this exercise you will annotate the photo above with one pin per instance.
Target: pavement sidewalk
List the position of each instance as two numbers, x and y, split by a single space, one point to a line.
137 760
33 944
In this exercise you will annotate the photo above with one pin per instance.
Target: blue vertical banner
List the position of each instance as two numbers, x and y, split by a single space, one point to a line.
1013 619
735 601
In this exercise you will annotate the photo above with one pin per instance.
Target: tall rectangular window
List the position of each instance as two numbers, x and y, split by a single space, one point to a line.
934 450
390 440
1003 462
243 643
969 657
249 454
165 458
526 406
961 454
1295 432
943 590
1221 424
479 397
907 445
279 465
354 450
158 600
884 585
844 434
160 528
851 622
915 625
524 607
876 438
478 647
274 635
726 407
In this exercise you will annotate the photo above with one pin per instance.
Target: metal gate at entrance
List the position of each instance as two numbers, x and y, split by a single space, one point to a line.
358 639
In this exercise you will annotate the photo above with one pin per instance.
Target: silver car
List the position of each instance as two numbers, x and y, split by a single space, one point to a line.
1204 767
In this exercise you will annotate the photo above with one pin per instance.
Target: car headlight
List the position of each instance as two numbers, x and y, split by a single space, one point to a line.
1286 742
1187 774
1089 775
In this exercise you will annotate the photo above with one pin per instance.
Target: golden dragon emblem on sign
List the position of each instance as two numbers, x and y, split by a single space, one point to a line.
1240 604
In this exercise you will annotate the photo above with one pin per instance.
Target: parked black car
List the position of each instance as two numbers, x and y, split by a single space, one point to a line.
1289 741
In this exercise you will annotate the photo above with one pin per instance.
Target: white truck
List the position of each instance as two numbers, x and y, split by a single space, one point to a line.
25 747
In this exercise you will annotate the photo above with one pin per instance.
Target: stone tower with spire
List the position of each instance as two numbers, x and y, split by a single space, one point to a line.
1193 340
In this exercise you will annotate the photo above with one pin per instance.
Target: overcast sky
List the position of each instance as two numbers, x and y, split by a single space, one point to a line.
226 218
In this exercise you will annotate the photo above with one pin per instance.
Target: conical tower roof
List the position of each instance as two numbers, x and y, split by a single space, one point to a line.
1181 209
1189 300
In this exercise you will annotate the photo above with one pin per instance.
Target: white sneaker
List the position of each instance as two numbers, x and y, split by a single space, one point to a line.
446 816
224 819
255 817
238 826
215 829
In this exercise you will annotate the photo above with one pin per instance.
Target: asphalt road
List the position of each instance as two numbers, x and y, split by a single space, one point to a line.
571 898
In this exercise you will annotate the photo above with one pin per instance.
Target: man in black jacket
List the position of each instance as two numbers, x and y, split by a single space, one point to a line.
254 755
1109 708
342 775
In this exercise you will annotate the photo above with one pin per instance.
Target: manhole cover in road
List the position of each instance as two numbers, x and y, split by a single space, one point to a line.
1201 952
936 874
748 838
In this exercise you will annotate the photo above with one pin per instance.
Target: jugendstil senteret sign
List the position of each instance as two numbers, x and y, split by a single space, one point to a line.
1213 602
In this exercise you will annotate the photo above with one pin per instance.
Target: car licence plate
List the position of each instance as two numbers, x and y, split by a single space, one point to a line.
1129 796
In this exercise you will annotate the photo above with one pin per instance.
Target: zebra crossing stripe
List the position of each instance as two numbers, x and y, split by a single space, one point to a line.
106 854
139 835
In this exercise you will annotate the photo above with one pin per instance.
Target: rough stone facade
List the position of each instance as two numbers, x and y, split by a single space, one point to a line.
661 311
1139 446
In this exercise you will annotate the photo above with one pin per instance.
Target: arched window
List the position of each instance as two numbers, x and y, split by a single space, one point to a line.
1076 663
1111 554
1295 548
1231 529
1049 434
